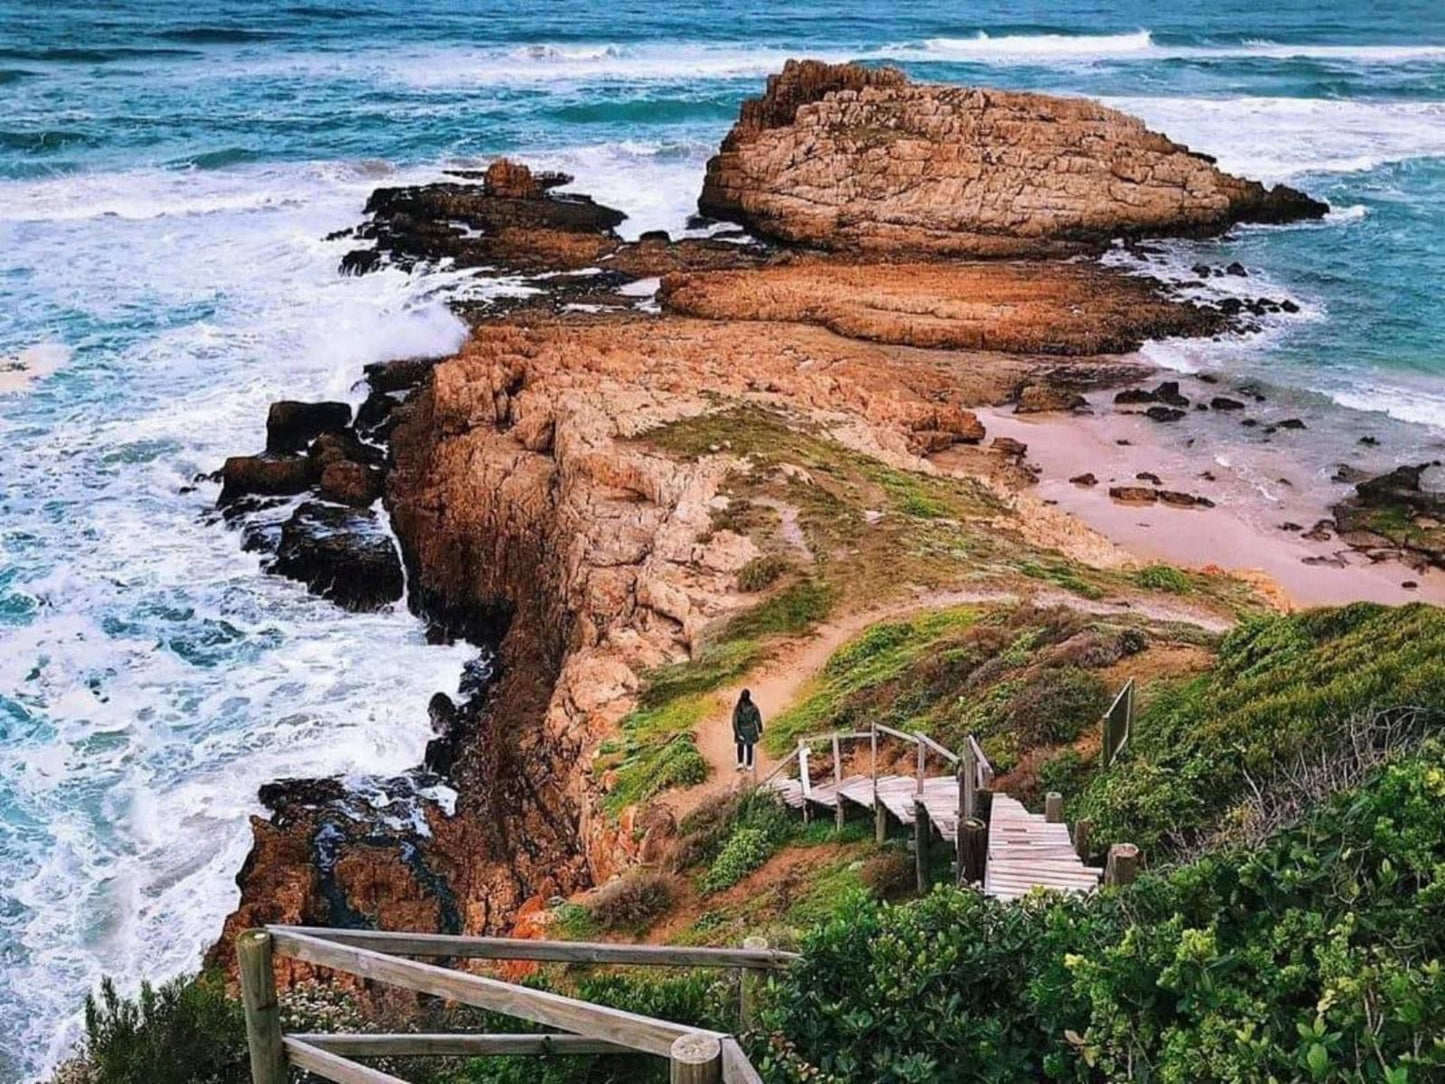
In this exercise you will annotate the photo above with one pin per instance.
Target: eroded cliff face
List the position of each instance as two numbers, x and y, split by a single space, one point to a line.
850 159
531 502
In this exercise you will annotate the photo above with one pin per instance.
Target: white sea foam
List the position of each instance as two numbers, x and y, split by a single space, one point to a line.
160 677
984 48
1276 139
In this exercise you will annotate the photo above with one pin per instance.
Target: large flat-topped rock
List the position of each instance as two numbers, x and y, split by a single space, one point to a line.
850 158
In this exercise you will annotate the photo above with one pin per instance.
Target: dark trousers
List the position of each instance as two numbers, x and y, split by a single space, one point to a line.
745 753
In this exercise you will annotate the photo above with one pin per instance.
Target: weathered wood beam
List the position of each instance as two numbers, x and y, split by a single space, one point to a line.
573 952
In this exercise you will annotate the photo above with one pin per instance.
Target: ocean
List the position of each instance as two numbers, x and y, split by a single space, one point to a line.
168 172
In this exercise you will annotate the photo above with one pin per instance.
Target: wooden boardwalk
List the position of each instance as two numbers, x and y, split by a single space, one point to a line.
1025 851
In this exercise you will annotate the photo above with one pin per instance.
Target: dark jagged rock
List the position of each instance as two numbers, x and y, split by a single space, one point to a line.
1133 494
1184 500
1291 423
266 475
1150 477
510 220
1135 397
1395 510
342 554
1168 393
1085 480
291 426
1222 402
1163 414
348 482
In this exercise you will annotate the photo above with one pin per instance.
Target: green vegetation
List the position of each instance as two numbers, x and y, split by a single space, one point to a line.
1315 958
183 1032
1284 689
1023 680
632 902
1165 578
763 572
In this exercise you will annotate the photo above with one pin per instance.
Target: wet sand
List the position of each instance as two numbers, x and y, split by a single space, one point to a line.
1256 489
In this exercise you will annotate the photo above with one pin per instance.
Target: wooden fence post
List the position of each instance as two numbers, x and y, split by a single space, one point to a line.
839 813
1122 865
920 766
263 1013
921 840
972 851
880 815
964 812
1054 808
749 981
696 1059
804 778
1083 829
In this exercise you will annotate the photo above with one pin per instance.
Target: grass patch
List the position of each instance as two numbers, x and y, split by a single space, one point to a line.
1284 688
1165 578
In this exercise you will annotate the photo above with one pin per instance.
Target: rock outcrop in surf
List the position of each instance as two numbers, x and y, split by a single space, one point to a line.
858 159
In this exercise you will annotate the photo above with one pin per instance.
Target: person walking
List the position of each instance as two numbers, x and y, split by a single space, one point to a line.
747 729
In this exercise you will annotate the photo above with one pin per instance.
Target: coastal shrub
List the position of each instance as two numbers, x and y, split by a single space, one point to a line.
889 874
793 610
633 901
1164 578
746 849
1054 706
762 572
1317 956
186 1031
1284 688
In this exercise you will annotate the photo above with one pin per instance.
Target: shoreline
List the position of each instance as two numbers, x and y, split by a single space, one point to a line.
1240 534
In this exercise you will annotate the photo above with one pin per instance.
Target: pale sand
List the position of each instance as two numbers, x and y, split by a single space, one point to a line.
1241 533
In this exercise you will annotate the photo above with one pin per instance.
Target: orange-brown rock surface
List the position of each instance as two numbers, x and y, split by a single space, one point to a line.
1019 307
846 158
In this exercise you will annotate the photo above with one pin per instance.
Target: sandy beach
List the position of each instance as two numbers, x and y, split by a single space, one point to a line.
1265 501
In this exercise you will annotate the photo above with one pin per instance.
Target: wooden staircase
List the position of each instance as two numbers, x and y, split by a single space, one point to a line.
1024 850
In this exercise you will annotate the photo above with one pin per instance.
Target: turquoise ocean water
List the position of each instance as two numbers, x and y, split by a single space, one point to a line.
167 172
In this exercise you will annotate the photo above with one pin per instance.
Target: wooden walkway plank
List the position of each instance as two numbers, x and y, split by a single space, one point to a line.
1026 852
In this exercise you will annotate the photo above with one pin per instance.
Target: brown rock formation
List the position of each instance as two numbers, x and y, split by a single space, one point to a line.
1028 308
841 157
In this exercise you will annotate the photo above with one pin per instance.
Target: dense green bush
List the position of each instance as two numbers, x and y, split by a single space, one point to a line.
184 1032
1318 957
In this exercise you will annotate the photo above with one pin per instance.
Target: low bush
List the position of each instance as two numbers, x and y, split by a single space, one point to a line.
633 901
186 1031
762 572
745 850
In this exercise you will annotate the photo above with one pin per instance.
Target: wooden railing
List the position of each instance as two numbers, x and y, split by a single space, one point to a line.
696 1056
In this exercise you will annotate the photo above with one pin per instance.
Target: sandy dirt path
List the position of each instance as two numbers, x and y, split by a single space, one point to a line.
778 682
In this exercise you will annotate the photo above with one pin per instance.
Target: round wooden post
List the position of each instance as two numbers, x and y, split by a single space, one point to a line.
880 823
972 850
838 813
921 840
1083 829
749 983
1123 864
696 1059
1054 808
263 1013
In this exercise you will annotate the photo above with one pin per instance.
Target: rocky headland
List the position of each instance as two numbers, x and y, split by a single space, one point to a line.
619 484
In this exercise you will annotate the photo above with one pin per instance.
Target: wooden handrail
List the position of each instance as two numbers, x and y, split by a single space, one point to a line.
946 754
409 1045
515 948
985 769
778 767
539 1006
